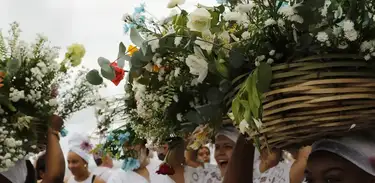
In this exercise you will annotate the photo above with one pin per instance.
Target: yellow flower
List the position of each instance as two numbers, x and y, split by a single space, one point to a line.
233 29
131 50
75 54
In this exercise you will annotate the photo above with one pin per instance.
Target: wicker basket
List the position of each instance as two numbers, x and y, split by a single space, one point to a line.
318 96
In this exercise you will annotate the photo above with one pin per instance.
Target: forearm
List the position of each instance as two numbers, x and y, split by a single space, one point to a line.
297 171
240 167
55 162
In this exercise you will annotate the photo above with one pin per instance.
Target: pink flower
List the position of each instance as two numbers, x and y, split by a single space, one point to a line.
86 146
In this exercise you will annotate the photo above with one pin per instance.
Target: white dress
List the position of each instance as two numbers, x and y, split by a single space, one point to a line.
88 180
208 174
102 172
120 176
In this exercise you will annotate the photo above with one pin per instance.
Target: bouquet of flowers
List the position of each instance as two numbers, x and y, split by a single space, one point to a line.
193 68
121 144
28 92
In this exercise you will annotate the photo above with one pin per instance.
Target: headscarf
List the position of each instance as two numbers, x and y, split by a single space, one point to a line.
18 173
80 145
358 149
229 131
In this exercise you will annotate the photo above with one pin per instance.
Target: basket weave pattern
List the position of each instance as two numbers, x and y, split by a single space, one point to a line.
316 97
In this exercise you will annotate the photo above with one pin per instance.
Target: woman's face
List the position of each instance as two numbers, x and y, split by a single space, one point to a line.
204 155
223 152
76 164
325 167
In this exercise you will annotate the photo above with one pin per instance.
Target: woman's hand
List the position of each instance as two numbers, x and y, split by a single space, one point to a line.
56 123
269 159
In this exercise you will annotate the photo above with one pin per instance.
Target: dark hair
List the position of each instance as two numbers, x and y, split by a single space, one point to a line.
31 174
40 166
204 147
98 161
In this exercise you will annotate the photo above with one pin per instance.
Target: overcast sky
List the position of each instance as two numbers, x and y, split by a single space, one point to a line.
95 23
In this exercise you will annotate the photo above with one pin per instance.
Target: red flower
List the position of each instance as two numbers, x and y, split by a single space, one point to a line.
165 169
119 73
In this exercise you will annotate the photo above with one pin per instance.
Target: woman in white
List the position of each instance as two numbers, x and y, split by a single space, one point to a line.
78 158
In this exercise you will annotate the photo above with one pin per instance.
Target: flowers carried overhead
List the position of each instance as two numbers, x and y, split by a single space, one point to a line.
192 68
29 76
121 144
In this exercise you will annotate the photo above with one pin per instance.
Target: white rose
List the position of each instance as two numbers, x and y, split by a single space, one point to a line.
174 3
199 20
198 66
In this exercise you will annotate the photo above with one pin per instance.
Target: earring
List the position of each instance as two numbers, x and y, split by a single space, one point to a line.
85 165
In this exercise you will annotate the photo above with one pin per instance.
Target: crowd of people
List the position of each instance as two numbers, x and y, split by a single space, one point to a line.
350 159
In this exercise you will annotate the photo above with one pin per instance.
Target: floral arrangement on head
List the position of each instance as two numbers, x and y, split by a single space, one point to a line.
193 67
120 144
28 92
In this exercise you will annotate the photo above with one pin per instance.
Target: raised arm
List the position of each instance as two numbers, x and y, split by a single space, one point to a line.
297 171
240 167
55 162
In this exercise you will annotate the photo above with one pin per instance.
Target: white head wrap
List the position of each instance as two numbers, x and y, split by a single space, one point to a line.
18 173
231 132
77 144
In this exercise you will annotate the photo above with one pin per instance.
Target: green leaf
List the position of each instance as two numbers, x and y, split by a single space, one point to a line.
215 18
121 50
121 60
236 58
225 86
13 66
236 110
222 69
108 74
94 78
214 95
136 38
194 117
264 76
138 60
103 62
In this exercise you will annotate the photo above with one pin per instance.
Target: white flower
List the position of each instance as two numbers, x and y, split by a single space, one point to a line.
287 11
199 20
351 35
367 57
126 17
233 16
280 23
179 117
269 22
244 126
258 123
154 43
174 3
10 142
206 43
260 58
322 37
175 98
347 25
177 40
53 102
245 35
270 61
272 52
177 72
225 37
296 18
245 8
198 66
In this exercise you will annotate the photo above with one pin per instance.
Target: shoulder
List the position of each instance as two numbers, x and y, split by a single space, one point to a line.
98 180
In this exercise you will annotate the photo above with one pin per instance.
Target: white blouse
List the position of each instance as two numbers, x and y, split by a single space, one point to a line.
120 176
208 174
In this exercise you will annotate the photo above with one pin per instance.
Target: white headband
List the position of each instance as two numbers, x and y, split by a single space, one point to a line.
18 173
81 146
231 132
